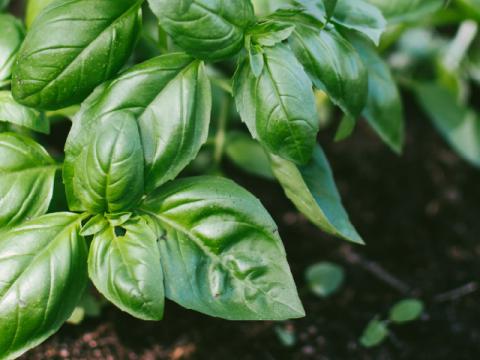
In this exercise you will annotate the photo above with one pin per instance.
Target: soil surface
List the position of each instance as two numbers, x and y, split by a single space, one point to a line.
420 217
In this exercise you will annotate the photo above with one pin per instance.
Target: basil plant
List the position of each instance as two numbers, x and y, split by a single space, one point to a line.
136 231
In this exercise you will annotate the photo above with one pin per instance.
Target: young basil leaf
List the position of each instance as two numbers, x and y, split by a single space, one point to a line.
109 170
10 40
333 65
95 225
27 174
170 98
42 277
397 11
346 128
324 278
361 16
126 269
34 7
406 310
257 62
248 155
221 253
312 190
14 113
459 126
322 10
207 29
270 33
72 47
374 334
384 110
278 106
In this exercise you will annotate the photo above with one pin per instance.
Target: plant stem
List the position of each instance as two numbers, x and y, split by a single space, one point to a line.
221 131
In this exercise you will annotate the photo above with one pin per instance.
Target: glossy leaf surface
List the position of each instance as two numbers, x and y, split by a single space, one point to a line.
27 174
221 253
396 11
207 29
384 110
72 47
126 269
43 273
278 106
11 37
168 98
34 7
15 113
313 191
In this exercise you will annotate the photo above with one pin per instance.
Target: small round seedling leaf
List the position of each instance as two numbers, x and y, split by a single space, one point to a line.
324 278
286 335
374 334
406 310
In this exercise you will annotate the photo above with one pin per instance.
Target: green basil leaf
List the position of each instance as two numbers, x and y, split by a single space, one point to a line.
72 47
170 99
374 334
126 269
397 11
221 253
324 278
361 16
278 106
42 277
322 10
96 224
333 65
248 155
4 4
109 170
270 33
406 310
257 62
459 125
34 7
384 110
207 29
14 113
312 190
472 7
10 40
27 174
346 128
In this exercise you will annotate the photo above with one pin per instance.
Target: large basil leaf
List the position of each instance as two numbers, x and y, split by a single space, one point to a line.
34 7
43 273
221 253
170 98
361 16
109 170
384 110
396 11
207 29
72 47
312 190
11 37
14 113
27 174
458 125
332 63
126 269
278 106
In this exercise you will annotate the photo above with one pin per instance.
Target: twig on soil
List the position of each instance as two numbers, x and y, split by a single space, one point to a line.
457 293
375 269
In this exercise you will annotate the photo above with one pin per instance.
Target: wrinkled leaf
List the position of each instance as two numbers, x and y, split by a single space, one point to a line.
374 334
109 170
384 110
14 113
397 11
406 310
459 125
332 63
72 47
126 269
207 29
324 278
313 191
27 175
278 106
248 155
170 99
221 253
11 37
361 16
42 277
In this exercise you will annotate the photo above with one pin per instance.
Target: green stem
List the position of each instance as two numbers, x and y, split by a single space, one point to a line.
221 131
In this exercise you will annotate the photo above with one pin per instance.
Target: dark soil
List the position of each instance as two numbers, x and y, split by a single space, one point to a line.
419 214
